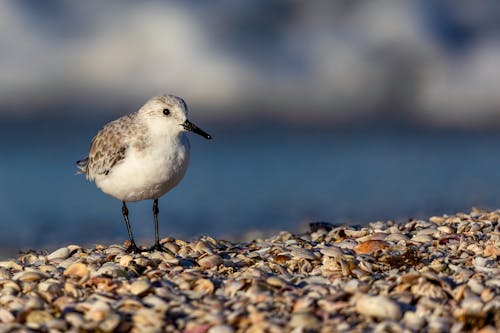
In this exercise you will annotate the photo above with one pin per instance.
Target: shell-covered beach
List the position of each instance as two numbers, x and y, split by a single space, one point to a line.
440 274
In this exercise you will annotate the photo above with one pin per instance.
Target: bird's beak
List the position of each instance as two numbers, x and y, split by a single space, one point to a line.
189 126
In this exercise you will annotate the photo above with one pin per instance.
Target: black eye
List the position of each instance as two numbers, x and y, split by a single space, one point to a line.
166 112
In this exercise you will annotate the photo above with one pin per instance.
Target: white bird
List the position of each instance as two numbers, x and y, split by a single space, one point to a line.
142 155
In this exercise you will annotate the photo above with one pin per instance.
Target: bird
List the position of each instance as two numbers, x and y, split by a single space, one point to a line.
142 156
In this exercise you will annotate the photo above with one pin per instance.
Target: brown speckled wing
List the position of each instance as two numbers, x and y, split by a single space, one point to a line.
108 147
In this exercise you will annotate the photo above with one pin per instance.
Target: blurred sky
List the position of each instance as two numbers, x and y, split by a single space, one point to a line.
433 62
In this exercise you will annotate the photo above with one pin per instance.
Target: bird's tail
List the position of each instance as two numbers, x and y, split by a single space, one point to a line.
82 166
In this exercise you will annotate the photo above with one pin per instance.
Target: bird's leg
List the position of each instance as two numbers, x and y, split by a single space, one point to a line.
132 247
157 246
155 215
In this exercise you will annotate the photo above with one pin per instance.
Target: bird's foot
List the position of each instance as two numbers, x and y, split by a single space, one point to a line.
132 248
161 248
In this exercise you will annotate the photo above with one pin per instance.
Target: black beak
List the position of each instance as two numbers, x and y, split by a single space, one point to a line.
195 129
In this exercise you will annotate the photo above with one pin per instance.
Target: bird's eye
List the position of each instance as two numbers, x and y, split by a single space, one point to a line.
166 112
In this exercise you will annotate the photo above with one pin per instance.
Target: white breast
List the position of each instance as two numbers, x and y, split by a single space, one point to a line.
147 173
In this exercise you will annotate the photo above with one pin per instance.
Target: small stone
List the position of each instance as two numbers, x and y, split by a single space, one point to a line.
380 307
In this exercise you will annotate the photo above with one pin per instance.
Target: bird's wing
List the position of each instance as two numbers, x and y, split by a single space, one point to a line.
107 149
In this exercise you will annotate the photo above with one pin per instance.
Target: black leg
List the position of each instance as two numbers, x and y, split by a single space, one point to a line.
155 214
158 246
132 247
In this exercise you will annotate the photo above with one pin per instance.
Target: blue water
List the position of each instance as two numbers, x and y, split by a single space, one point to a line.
253 178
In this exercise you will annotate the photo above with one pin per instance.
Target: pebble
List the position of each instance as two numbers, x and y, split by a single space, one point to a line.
436 275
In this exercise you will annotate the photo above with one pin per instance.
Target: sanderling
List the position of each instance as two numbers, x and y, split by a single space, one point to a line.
142 155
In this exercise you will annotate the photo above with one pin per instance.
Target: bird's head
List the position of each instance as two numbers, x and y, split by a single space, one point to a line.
170 113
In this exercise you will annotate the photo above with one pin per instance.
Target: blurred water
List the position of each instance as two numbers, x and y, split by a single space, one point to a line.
259 177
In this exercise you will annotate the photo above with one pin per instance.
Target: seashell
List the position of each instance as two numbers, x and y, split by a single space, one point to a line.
301 253
77 269
487 295
281 258
446 229
331 251
422 238
232 286
155 302
110 269
6 316
205 286
147 318
380 307
396 237
221 329
437 219
275 281
34 302
129 305
125 260
203 247
427 231
305 321
73 290
4 274
448 238
36 318
140 287
29 276
348 244
57 325
59 254
110 323
197 328
491 251
10 264
97 311
173 247
476 286
370 246
74 319
210 261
